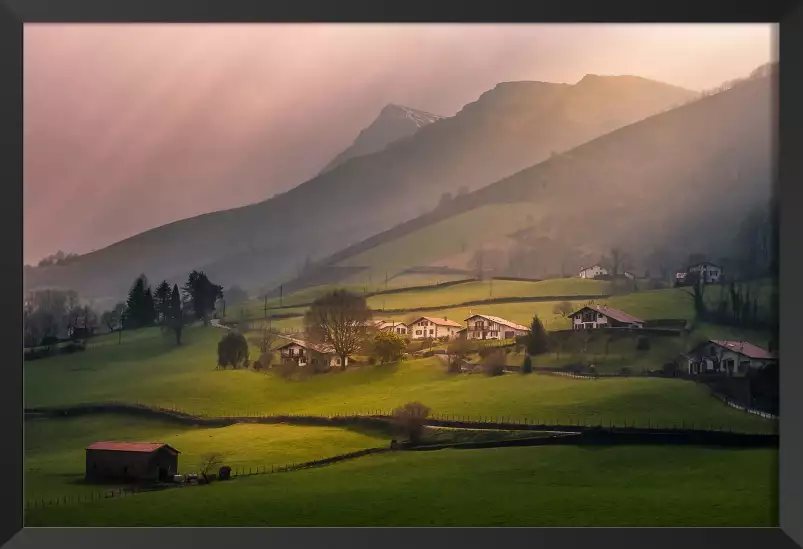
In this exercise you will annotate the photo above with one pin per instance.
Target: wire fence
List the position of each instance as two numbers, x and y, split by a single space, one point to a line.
381 417
42 502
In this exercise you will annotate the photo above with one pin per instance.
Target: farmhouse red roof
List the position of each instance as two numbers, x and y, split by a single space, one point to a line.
321 348
439 321
745 348
146 447
615 314
502 321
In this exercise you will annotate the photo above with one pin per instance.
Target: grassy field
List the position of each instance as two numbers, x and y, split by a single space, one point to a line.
154 371
474 291
535 486
441 239
55 459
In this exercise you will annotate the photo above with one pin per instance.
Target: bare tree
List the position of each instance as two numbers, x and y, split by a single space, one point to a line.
208 462
339 319
410 420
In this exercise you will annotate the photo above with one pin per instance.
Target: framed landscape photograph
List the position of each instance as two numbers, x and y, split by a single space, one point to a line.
330 274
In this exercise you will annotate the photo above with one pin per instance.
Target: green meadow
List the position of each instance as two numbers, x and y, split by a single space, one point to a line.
530 486
155 371
55 457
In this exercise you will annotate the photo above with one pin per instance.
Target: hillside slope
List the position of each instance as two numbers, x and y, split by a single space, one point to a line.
393 123
681 180
507 129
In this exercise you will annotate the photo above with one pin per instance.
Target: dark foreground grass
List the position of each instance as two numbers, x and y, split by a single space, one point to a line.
535 486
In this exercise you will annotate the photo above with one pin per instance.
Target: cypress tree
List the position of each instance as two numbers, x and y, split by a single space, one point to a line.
538 340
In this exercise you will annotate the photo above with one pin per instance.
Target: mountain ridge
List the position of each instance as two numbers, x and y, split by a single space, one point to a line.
497 135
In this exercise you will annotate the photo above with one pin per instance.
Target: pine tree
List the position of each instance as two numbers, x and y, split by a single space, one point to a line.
538 340
161 298
527 366
140 304
202 294
176 314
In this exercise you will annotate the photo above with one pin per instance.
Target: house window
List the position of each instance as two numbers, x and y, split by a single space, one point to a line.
418 332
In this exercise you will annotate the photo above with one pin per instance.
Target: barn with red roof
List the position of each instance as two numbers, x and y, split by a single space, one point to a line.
151 461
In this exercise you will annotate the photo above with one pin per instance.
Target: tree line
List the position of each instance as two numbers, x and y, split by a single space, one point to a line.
52 315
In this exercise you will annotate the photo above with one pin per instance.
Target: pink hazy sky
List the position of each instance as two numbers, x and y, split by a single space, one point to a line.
131 126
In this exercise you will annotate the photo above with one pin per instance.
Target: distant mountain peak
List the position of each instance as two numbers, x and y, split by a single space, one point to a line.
394 122
419 117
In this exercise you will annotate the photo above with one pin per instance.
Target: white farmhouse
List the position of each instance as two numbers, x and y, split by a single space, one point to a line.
593 271
597 316
429 327
724 356
398 328
492 327
319 357
709 272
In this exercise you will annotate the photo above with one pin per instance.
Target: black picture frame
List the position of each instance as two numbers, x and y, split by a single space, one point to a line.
789 14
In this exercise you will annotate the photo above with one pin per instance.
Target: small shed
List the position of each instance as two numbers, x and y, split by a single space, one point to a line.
151 461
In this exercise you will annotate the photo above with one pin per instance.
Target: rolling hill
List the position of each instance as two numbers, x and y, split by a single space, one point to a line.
682 180
510 127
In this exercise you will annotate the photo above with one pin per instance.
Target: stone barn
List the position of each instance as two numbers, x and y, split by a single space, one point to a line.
148 461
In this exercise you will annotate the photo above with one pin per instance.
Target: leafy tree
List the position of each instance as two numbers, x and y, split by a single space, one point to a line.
202 295
538 340
458 351
410 419
388 347
232 350
176 314
339 319
161 299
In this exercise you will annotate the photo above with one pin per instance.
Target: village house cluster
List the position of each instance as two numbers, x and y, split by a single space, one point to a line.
711 357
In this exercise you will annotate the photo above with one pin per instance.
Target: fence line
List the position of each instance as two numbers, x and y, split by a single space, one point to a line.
382 417
38 503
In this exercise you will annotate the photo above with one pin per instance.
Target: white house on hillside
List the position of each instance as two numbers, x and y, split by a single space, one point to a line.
735 357
710 273
493 327
596 316
302 353
593 271
398 328
434 328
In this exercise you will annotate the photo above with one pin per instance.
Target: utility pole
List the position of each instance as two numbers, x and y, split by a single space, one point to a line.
266 306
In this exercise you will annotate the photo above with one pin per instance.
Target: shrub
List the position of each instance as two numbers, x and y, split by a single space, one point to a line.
527 365
409 420
257 365
371 360
287 369
494 363
266 359
670 369
387 347
232 350
443 339
625 371
643 343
